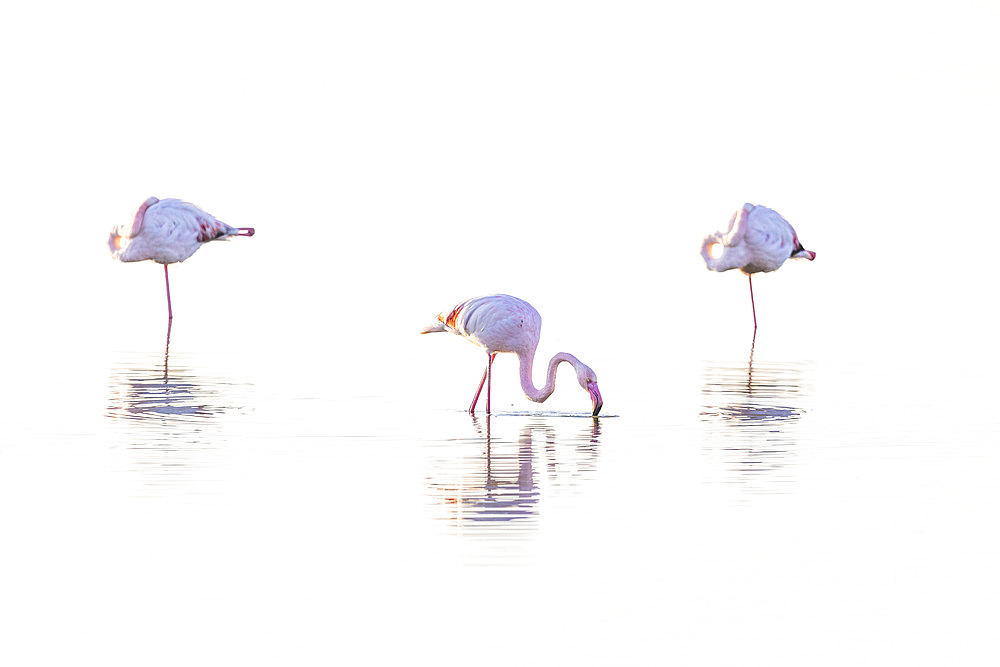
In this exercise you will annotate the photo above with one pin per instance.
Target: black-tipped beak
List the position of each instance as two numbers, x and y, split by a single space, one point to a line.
595 398
800 252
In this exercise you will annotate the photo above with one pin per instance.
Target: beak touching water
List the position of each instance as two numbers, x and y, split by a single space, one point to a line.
595 397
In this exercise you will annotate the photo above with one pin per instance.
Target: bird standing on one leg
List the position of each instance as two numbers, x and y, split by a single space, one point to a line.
168 231
758 240
502 323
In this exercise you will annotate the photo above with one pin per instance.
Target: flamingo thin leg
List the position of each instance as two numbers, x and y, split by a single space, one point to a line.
489 381
166 276
753 307
475 399
486 373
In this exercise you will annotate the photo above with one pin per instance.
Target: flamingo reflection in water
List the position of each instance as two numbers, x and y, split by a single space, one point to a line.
149 394
168 419
750 413
495 492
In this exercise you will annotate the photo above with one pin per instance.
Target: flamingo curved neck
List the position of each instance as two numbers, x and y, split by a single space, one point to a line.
526 361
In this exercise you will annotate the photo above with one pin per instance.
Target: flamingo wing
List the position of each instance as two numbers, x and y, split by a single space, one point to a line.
738 226
135 228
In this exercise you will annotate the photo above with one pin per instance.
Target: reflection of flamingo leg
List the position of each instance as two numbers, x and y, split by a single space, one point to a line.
166 351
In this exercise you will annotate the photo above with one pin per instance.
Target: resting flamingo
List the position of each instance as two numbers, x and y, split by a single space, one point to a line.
502 323
168 231
759 241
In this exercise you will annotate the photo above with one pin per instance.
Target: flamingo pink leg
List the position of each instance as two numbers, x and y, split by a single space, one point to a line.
475 399
489 381
486 375
752 307
170 311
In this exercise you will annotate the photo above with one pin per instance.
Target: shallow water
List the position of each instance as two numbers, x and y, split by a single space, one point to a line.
750 417
780 503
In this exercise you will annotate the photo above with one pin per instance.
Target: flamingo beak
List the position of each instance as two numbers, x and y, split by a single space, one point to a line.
805 254
595 397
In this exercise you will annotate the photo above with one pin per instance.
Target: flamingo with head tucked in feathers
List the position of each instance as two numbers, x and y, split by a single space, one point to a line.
168 231
502 323
759 240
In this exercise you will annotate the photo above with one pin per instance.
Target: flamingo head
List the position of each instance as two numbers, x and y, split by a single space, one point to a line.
587 378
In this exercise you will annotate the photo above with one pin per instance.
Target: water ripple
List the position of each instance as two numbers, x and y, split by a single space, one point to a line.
166 415
750 413
491 482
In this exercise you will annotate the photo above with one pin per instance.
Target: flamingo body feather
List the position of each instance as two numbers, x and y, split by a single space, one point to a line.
168 231
758 240
503 323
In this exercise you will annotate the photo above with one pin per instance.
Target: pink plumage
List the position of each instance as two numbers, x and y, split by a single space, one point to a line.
168 231
758 240
502 323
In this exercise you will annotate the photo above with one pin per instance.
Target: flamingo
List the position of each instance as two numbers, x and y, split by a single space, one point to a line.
759 241
502 323
168 231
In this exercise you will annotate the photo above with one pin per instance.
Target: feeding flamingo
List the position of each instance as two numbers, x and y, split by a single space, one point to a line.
759 241
502 323
168 231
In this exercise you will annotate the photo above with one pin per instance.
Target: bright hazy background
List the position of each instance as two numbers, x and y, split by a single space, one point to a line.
397 157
